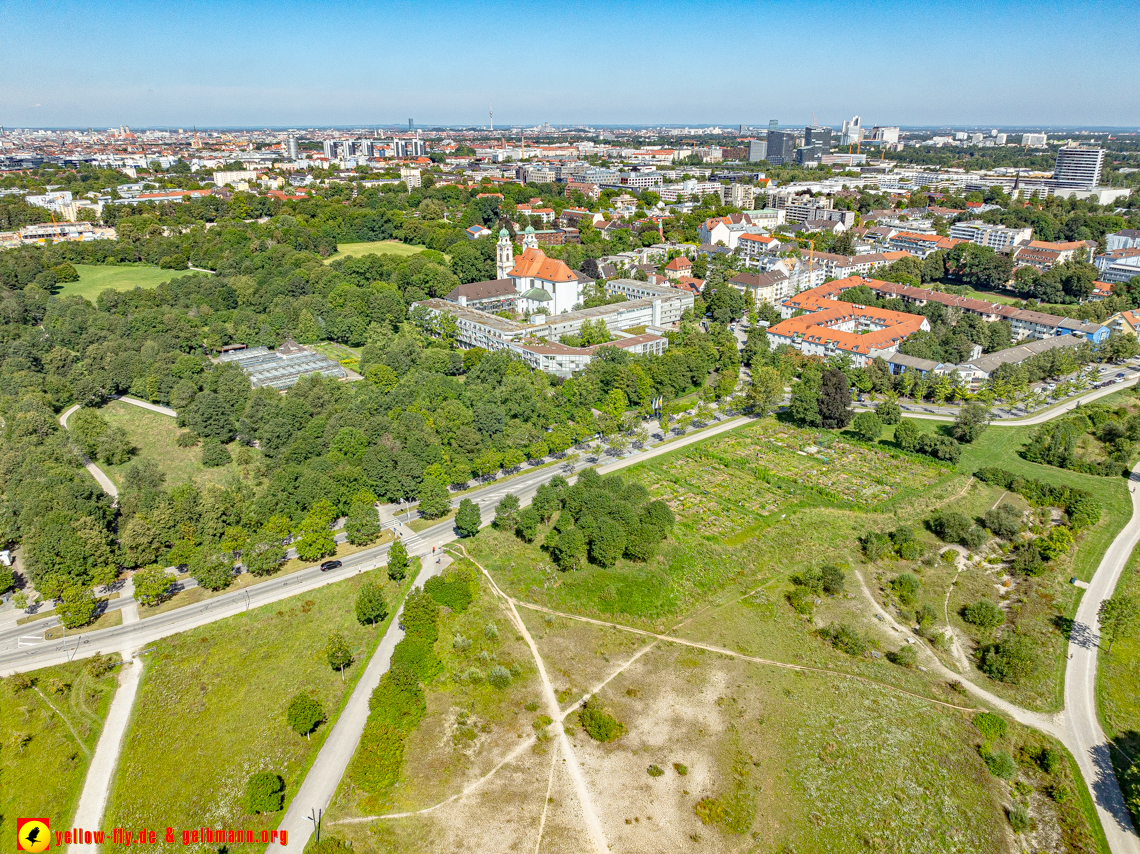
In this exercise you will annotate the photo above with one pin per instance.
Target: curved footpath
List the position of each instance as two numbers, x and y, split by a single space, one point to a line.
1082 731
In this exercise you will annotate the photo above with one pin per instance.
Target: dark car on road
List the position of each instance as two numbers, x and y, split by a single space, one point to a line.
330 564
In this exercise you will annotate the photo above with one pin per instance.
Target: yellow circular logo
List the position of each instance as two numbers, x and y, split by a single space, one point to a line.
33 836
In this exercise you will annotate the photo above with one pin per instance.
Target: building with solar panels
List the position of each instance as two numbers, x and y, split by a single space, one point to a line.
281 368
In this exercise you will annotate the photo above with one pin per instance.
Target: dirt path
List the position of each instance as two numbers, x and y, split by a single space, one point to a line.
63 718
590 813
751 658
1052 725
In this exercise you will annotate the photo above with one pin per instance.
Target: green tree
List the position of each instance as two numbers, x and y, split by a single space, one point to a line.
76 607
435 500
889 411
834 400
215 454
804 404
765 391
1119 617
370 605
212 567
152 585
867 426
304 715
506 513
569 549
397 561
527 525
264 556
315 531
362 525
972 420
265 792
338 653
907 434
467 518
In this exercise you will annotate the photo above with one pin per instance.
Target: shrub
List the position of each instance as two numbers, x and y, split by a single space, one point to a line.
984 614
499 676
304 714
100 665
832 579
846 639
598 723
1004 520
1019 818
906 587
867 426
907 434
681 770
215 454
1010 660
1001 764
910 550
491 631
1056 543
1050 761
876 546
453 592
907 656
992 727
265 792
460 643
975 538
950 527
889 411
187 439
654 771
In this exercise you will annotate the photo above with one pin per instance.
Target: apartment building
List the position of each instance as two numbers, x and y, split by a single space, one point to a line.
1128 238
1078 168
830 328
996 237
920 245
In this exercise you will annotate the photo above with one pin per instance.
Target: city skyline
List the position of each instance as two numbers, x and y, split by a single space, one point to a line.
895 62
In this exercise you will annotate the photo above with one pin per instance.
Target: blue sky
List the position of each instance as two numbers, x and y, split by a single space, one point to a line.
993 62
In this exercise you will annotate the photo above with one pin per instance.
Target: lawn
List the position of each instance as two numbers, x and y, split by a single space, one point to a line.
154 434
96 278
1118 697
376 247
761 500
50 731
211 709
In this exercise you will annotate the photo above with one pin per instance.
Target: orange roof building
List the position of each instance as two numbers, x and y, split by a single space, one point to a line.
830 327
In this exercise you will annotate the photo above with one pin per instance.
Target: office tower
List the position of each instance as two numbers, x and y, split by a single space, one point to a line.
329 146
773 124
757 150
1078 168
365 148
818 136
781 147
292 151
411 125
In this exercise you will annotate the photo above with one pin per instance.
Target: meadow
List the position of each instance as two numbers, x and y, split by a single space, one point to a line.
96 278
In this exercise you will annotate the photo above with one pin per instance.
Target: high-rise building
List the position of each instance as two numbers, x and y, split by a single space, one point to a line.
364 148
781 147
1034 139
292 150
1078 168
818 136
852 131
411 126
773 124
329 146
757 150
344 149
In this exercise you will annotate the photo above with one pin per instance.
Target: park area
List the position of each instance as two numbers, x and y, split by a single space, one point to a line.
96 278
375 247
154 435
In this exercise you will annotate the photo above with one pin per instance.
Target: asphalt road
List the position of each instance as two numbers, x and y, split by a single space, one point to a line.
138 635
1083 734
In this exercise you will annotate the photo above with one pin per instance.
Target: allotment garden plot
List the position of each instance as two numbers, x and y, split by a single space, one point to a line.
736 480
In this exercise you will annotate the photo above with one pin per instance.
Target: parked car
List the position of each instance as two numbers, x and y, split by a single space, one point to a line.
330 564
